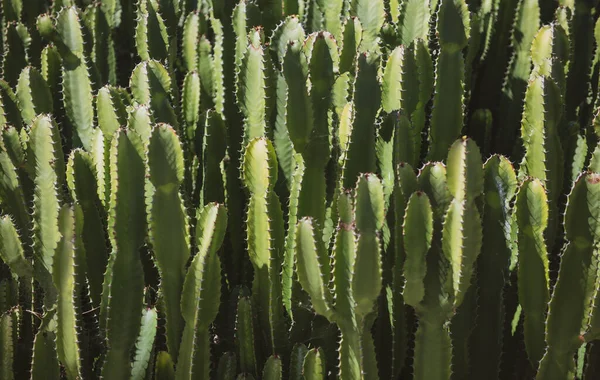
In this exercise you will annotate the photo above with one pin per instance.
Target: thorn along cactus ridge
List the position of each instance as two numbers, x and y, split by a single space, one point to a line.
300 189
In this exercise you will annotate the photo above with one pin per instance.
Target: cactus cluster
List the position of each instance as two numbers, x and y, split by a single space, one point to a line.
300 189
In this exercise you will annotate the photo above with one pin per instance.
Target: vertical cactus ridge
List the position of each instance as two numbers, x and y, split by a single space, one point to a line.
314 365
16 39
414 18
33 95
299 110
273 369
76 83
287 31
12 197
124 278
309 270
151 86
372 16
151 38
168 224
42 151
527 23
11 250
265 236
7 349
82 174
569 309
251 91
344 252
367 95
245 336
64 281
543 156
287 274
392 82
534 294
351 38
500 185
217 58
201 289
144 344
462 234
190 40
227 367
418 232
370 215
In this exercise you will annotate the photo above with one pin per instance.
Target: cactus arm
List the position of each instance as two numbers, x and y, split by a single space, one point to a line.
392 82
41 153
447 114
351 38
418 232
33 94
217 72
144 344
309 269
532 219
12 199
289 30
581 56
245 336
168 225
16 43
345 259
151 86
527 23
11 250
190 40
151 39
543 153
124 276
272 369
492 267
297 358
571 300
239 17
287 276
314 365
367 96
413 20
7 344
227 366
251 92
366 282
76 84
64 281
83 177
433 351
462 233
201 289
299 110
164 369
371 14
45 364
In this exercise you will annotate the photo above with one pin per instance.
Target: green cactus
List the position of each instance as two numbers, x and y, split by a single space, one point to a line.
569 310
447 113
121 309
534 294
76 83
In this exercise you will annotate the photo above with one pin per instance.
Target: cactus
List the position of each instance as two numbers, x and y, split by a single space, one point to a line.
532 220
229 189
576 282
